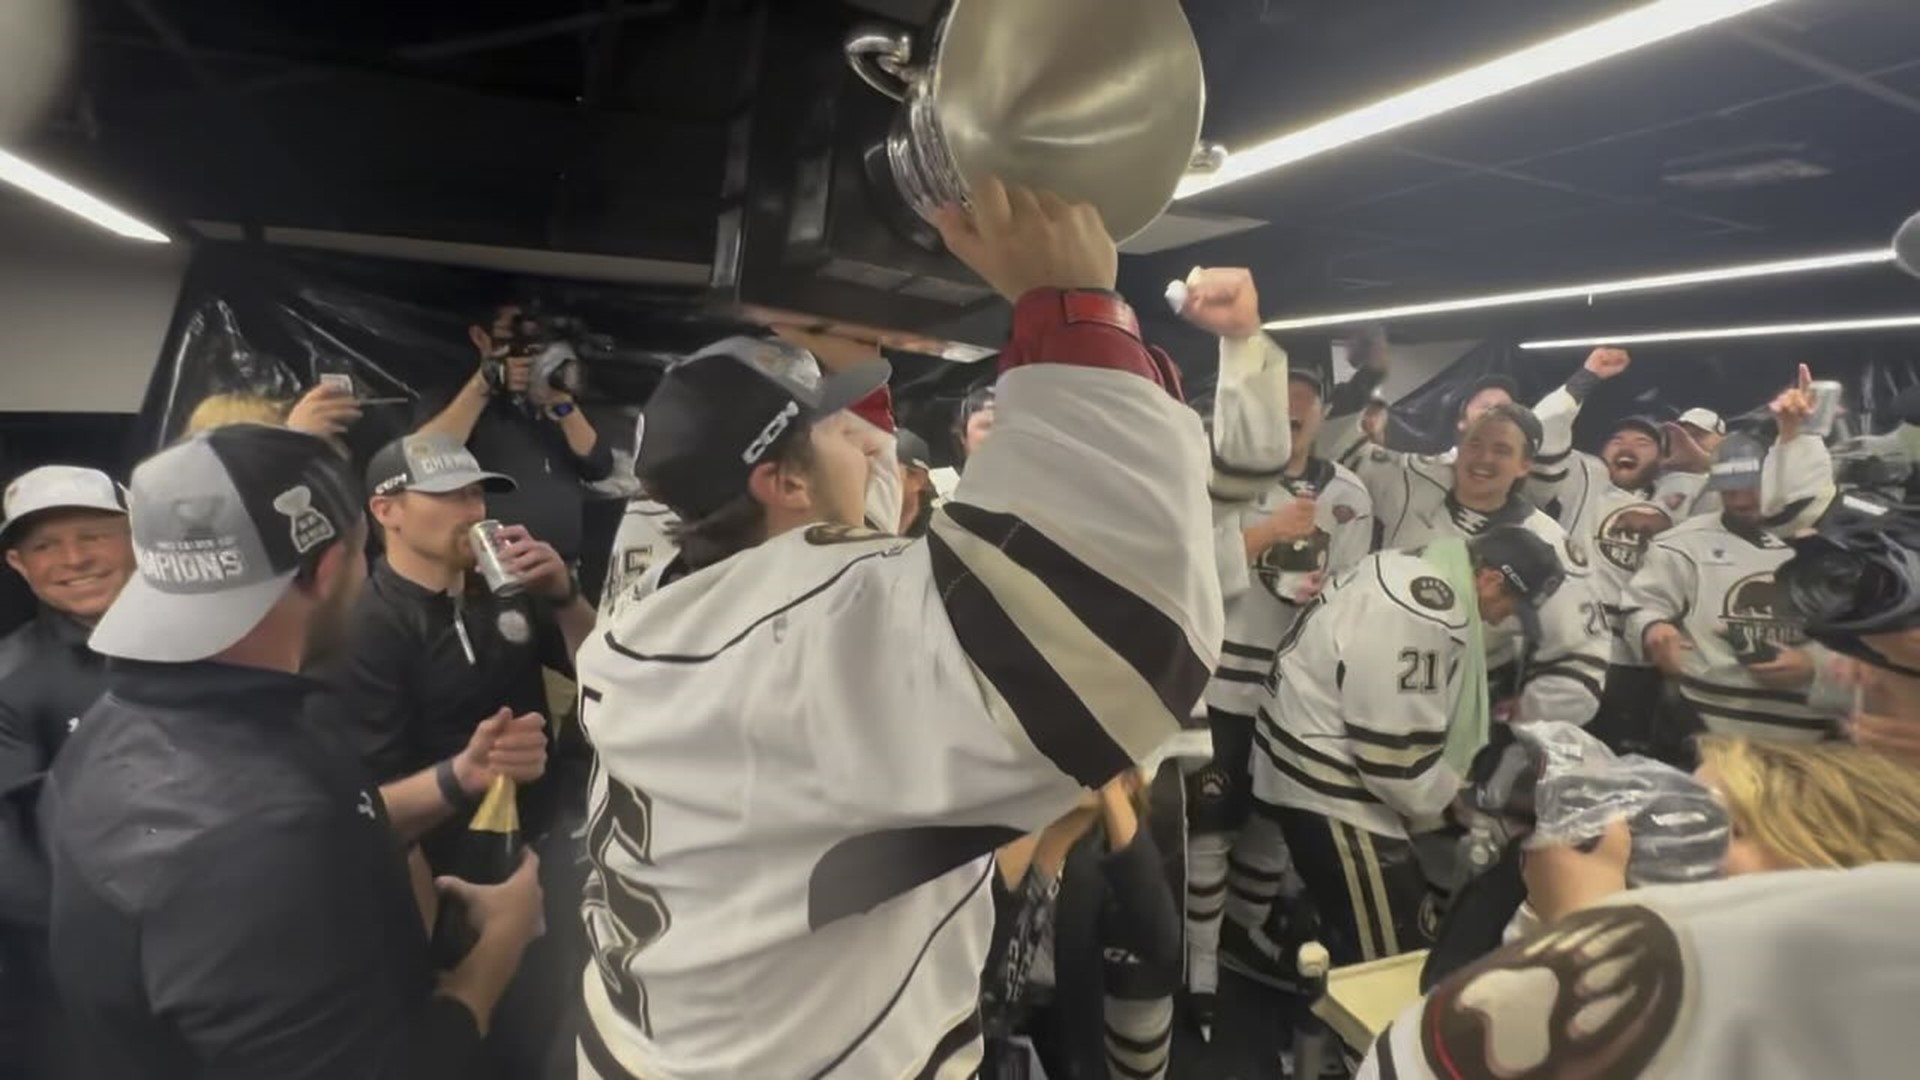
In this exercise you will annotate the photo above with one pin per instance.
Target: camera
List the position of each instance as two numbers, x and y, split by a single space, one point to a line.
554 345
1857 573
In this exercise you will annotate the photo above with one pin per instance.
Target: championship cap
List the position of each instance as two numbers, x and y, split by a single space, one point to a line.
1646 425
1530 566
718 414
1736 465
221 524
57 487
1704 420
430 463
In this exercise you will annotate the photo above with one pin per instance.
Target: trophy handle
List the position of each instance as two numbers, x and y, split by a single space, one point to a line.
882 59
1207 158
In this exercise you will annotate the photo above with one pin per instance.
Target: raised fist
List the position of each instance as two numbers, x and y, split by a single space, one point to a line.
1223 302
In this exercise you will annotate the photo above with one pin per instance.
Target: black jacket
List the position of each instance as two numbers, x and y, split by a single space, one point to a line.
414 685
48 678
228 900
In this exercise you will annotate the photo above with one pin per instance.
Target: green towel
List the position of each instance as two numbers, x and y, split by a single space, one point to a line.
1467 728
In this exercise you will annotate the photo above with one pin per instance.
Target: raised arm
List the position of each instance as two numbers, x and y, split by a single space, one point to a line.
1556 466
1796 480
1252 438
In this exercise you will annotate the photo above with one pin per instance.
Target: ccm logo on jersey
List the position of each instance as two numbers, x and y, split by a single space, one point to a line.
772 431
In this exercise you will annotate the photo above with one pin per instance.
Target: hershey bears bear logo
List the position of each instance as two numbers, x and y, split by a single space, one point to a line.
1752 618
1625 533
1431 592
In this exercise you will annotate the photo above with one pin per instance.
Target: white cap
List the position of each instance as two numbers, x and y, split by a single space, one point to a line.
1705 419
59 487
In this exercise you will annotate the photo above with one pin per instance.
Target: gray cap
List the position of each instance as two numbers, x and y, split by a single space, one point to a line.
1736 464
57 487
431 463
221 525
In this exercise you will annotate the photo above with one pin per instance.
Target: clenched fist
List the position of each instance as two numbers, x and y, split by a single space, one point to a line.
1018 239
1223 302
1607 363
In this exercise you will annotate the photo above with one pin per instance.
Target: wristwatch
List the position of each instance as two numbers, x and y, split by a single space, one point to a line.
560 410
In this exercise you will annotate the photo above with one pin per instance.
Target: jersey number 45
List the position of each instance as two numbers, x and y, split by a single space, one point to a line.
623 916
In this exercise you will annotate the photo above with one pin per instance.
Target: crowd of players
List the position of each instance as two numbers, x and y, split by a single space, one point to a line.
853 774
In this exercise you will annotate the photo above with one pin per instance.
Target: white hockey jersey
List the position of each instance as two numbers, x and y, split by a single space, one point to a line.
1354 721
1567 672
1613 524
1260 612
808 752
640 544
1716 584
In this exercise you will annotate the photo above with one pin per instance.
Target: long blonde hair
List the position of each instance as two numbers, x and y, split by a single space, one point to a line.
219 410
1825 805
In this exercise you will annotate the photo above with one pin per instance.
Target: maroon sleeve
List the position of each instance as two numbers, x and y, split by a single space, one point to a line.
1083 328
876 409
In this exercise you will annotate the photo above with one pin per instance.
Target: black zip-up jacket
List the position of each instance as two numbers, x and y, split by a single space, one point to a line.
228 900
424 670
48 678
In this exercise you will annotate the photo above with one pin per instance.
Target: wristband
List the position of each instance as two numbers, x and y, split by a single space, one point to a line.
560 410
450 789
1581 383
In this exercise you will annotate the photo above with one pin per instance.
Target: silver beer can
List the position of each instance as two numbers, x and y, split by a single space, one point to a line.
1826 406
484 537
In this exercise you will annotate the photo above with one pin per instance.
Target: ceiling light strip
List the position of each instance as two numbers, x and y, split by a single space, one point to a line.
1845 260
36 181
1580 48
1839 326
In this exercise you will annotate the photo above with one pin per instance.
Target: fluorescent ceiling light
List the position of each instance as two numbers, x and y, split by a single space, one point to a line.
1810 264
1841 326
35 180
1603 40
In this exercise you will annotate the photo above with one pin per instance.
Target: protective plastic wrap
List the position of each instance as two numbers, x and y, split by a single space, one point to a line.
1679 829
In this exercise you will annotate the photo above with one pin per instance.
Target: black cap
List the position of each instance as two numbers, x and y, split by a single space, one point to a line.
1521 417
718 414
1647 424
1486 382
1531 567
432 463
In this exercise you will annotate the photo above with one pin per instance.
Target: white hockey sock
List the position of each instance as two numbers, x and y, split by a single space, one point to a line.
1206 893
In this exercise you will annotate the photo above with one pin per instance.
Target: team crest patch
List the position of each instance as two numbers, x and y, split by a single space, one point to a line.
308 526
1343 514
514 627
1431 592
822 535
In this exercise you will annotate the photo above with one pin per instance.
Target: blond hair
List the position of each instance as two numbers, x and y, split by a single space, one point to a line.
1822 805
219 410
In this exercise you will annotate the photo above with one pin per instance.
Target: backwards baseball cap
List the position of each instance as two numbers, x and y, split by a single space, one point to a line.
1521 417
1736 464
1704 420
222 524
1531 567
430 463
722 411
56 487
1644 424
1483 383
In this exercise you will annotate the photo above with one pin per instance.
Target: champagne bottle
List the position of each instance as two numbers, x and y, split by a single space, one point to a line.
486 853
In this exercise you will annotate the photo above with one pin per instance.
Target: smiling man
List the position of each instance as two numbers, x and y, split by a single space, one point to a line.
65 533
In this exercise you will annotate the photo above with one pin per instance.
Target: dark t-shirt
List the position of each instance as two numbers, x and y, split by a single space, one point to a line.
533 450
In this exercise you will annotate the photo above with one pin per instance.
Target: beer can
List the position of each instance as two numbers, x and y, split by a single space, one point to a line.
484 537
1826 406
